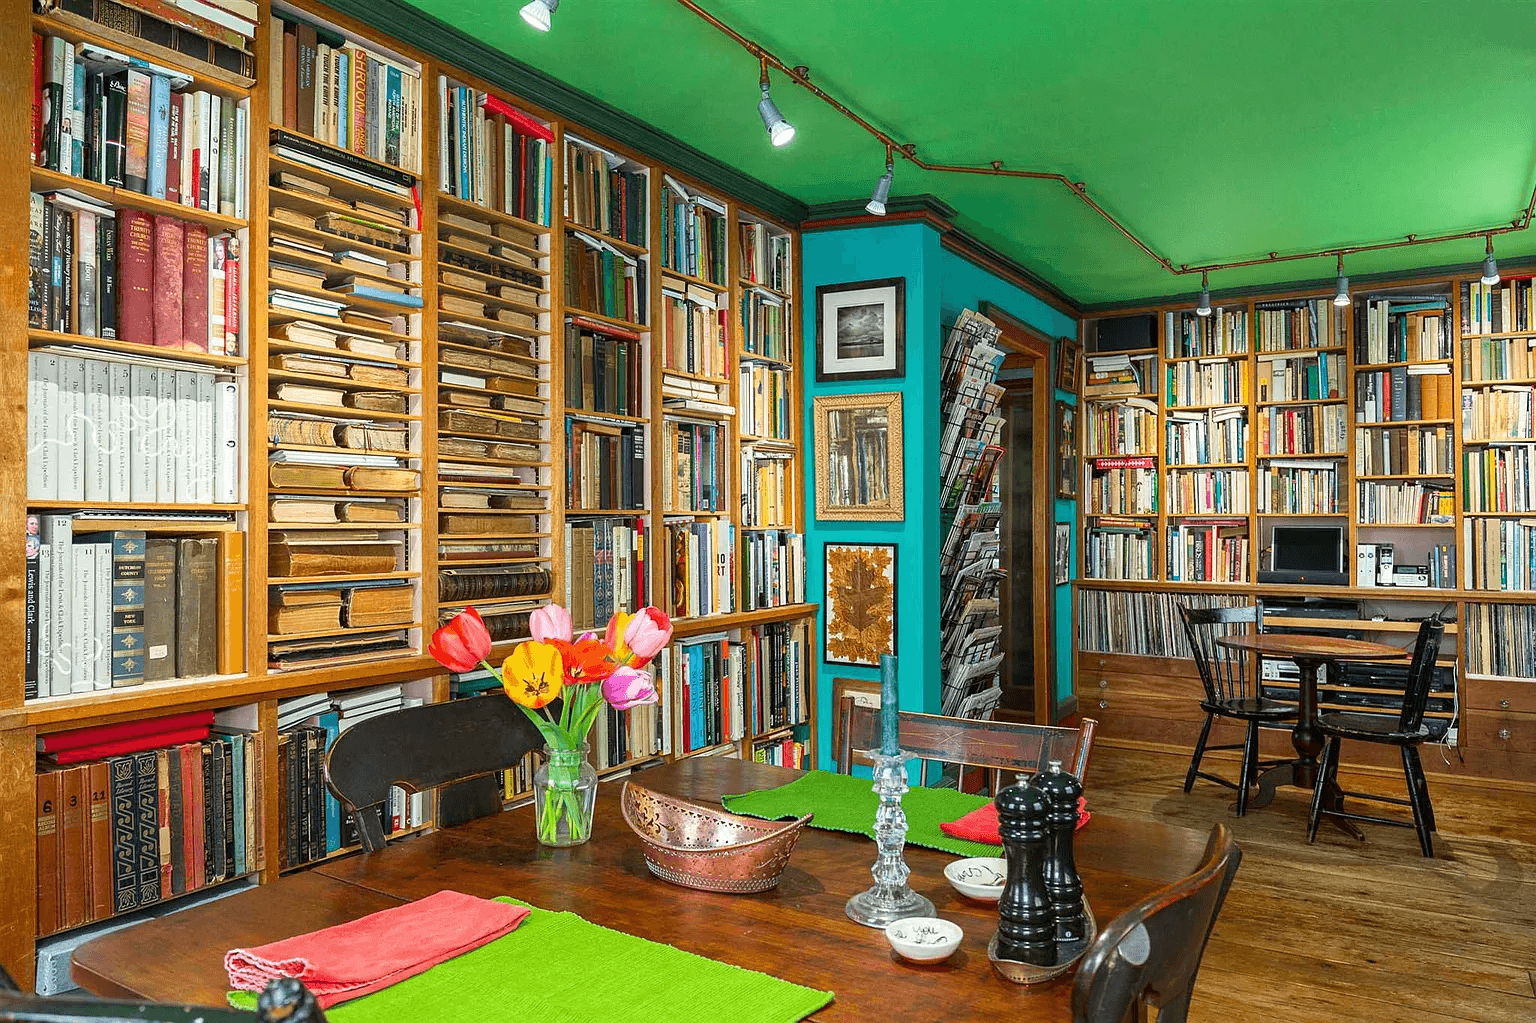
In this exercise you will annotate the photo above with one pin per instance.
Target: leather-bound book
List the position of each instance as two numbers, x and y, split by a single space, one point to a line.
99 839
376 401
146 799
176 882
194 289
370 374
159 609
49 897
376 436
136 277
125 835
371 511
169 244
231 629
163 817
197 596
290 109
367 477
74 862
304 71
297 557
300 476
460 523
193 814
285 813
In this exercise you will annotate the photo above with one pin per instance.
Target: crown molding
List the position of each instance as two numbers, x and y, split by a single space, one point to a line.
460 50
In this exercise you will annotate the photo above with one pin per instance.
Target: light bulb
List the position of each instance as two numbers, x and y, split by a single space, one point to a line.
537 13
876 204
1204 308
1490 270
780 131
1341 291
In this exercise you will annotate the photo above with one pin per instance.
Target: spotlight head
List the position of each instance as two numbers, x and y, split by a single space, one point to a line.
1490 270
537 12
780 131
876 204
1341 291
1204 308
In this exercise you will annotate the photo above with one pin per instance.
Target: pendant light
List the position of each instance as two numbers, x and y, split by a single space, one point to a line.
1341 286
876 204
1204 308
780 131
1490 266
537 13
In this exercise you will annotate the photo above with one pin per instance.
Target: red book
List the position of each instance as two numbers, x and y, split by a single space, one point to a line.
135 276
520 121
173 150
97 734
190 760
37 98
74 863
169 242
231 295
194 290
123 746
99 838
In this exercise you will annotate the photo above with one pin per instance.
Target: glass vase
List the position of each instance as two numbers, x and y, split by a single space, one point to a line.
564 797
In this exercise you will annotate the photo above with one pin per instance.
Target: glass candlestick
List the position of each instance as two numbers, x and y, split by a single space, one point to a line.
889 899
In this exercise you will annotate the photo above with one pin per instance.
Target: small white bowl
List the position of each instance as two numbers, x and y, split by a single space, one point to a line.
979 877
924 939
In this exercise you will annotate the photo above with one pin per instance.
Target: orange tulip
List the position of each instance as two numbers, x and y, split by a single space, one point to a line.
533 675
586 660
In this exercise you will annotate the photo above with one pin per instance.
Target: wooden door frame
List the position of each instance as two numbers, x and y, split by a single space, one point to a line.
1035 347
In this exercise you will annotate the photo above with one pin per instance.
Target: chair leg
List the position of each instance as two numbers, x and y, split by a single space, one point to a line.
1418 795
1194 761
1429 808
1250 770
1325 772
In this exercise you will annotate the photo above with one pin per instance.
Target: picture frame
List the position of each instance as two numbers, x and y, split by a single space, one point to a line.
861 329
1068 362
1066 450
859 602
858 448
1063 553
865 693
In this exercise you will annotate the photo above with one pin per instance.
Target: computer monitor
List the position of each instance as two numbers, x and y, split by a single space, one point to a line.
1306 554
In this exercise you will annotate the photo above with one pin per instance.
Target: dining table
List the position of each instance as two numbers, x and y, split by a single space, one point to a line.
1312 654
796 931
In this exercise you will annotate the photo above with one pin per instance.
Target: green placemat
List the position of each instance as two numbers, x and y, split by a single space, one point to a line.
559 968
842 802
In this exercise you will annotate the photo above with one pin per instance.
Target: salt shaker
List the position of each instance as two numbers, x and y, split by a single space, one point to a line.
1027 929
1061 791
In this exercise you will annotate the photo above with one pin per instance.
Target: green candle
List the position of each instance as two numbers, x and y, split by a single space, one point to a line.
889 706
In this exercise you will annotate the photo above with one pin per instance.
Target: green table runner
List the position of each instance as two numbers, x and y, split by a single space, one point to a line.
559 968
842 802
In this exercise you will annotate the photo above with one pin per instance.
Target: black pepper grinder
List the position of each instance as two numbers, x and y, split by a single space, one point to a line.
1062 882
1027 929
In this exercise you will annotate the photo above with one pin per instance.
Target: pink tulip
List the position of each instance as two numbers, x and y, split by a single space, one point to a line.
629 687
551 623
647 633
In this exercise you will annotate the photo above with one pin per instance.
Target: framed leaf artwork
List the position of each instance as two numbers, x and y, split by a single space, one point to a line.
860 602
859 457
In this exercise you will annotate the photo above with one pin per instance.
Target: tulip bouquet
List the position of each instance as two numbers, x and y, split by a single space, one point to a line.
586 671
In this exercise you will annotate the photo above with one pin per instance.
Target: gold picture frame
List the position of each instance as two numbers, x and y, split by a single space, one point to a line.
858 445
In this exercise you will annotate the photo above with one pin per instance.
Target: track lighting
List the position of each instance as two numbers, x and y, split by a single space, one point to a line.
876 204
1204 308
1341 287
537 13
1490 265
780 131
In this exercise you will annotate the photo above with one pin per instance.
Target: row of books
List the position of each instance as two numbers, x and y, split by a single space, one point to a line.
605 368
122 831
1298 488
723 689
1141 624
1119 550
1301 378
699 567
768 477
217 32
694 460
1496 308
1223 332
1498 413
1500 553
1219 435
773 568
106 428
604 466
1403 328
692 232
1404 393
1298 325
605 192
1408 450
1303 430
1499 479
1497 358
604 280
1124 427
763 402
607 568
107 609
334 89
1215 551
1122 486
1380 503
1500 639
1117 374
765 255
693 329
765 326
1214 382
128 276
786 752
102 116
1208 492
492 154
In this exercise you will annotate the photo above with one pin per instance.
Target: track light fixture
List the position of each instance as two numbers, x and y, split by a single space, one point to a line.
1341 286
537 13
1204 308
876 204
780 131
1490 265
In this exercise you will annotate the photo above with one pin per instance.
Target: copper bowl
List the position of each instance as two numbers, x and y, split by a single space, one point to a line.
701 847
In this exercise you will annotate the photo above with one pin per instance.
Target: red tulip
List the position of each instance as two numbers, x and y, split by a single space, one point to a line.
463 643
585 660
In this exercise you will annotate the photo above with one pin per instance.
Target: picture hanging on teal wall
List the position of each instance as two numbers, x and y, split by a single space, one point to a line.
1066 450
859 457
1066 365
860 602
861 330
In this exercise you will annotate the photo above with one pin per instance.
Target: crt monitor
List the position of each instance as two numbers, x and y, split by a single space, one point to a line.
1307 554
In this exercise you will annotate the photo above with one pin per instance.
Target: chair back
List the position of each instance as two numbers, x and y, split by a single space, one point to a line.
1227 675
1421 673
996 746
284 1000
1149 955
419 748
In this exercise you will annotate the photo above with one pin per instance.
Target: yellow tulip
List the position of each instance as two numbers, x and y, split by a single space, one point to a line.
617 625
533 675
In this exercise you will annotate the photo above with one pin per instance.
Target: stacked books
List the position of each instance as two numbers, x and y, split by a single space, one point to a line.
492 154
685 394
1116 374
116 120
216 32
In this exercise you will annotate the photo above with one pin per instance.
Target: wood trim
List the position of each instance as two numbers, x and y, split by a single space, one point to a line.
15 181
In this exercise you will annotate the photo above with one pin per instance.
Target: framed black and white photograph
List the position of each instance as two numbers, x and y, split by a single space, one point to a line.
861 330
1063 552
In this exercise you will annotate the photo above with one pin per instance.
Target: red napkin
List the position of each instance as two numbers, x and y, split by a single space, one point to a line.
364 955
980 825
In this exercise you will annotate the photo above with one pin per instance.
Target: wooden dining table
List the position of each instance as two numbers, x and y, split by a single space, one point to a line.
796 931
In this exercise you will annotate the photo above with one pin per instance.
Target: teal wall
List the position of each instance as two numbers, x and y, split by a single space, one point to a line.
939 285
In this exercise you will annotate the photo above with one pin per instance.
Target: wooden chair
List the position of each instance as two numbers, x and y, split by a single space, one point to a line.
286 1000
1149 955
419 748
1232 690
997 746
1406 732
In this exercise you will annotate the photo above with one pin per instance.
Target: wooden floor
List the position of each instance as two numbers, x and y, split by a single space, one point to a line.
1342 930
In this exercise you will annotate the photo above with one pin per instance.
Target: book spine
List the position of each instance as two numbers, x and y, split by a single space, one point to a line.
136 305
99 839
147 826
228 169
163 819
128 554
193 335
49 896
173 161
159 135
136 132
231 609
175 832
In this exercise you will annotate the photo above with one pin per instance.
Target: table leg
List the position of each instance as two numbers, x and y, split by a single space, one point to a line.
1307 738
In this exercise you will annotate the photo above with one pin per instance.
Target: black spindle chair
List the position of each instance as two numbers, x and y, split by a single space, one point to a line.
284 1000
1407 732
1232 690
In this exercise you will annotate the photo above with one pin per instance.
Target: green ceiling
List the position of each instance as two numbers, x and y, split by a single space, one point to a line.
1215 129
